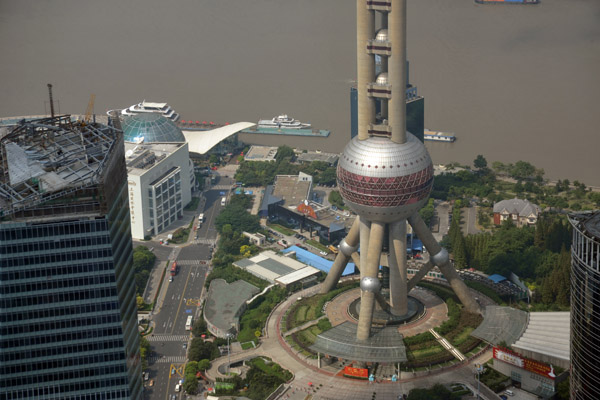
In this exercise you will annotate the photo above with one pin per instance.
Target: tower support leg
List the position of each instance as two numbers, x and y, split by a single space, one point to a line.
440 258
347 247
398 274
369 283
425 268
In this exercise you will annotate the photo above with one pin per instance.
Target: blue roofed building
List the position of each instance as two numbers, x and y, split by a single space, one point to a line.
316 261
496 278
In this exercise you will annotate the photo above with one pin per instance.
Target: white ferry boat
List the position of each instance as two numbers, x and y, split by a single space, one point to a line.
148 107
282 122
435 136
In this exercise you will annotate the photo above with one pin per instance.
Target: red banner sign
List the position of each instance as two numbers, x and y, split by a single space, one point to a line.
517 360
357 372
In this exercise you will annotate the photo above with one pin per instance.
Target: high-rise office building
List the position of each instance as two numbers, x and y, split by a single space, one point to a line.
585 306
68 324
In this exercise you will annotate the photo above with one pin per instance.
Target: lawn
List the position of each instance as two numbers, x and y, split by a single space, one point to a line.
192 205
318 245
311 308
282 229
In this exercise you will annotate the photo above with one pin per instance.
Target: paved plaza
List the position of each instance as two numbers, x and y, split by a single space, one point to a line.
326 384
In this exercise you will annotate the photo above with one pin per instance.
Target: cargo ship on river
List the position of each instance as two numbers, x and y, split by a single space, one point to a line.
287 126
435 136
507 1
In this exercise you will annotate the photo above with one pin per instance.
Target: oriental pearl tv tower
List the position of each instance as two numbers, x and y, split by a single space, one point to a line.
385 174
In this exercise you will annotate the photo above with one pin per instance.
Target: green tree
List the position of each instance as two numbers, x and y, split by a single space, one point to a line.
236 215
204 364
245 250
594 197
190 383
563 390
199 328
499 167
139 300
143 261
335 198
522 170
480 162
284 152
518 188
427 211
437 392
327 177
201 349
459 250
144 351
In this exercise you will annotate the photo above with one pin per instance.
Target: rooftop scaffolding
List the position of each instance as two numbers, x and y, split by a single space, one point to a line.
49 158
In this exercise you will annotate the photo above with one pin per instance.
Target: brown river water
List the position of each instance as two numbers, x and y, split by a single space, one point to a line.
511 82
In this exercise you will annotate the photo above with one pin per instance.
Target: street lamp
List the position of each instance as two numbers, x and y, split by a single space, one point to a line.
228 353
478 371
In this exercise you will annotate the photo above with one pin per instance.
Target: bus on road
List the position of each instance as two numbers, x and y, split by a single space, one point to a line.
174 268
188 323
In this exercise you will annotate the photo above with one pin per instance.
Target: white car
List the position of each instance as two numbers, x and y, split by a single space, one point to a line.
323 253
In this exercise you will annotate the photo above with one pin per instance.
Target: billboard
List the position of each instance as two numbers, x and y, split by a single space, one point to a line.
527 364
362 373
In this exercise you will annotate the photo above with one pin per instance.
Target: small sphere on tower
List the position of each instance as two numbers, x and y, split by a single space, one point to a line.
385 181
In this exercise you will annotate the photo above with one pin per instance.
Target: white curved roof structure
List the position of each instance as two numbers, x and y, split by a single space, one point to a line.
202 141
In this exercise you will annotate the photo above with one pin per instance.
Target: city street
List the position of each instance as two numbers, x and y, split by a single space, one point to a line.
180 298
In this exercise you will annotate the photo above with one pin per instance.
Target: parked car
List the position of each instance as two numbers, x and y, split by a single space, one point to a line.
323 253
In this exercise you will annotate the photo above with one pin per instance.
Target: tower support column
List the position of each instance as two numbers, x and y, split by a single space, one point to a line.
369 283
398 273
365 235
365 21
439 257
347 248
397 70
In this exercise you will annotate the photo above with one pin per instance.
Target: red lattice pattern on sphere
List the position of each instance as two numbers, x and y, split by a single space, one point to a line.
385 192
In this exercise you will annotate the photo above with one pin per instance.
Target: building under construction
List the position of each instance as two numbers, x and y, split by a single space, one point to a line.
67 291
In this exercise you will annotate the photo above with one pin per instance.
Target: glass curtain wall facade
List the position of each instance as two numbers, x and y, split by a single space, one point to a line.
164 200
585 306
68 318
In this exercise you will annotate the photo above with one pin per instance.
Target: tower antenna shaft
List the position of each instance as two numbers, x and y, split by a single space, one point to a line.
397 70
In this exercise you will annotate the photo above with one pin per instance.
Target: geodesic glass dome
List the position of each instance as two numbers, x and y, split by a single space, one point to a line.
152 127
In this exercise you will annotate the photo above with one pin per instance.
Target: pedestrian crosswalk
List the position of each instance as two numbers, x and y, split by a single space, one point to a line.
168 338
221 187
192 262
206 241
166 359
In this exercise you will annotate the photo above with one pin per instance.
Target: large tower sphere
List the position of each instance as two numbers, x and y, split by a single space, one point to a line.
385 181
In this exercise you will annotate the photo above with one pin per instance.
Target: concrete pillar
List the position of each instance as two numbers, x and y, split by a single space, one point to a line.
365 232
365 63
341 260
368 276
384 67
381 301
440 258
398 289
425 268
397 70
356 260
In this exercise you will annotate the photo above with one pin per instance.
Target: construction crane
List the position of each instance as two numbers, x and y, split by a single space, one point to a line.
51 100
89 110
